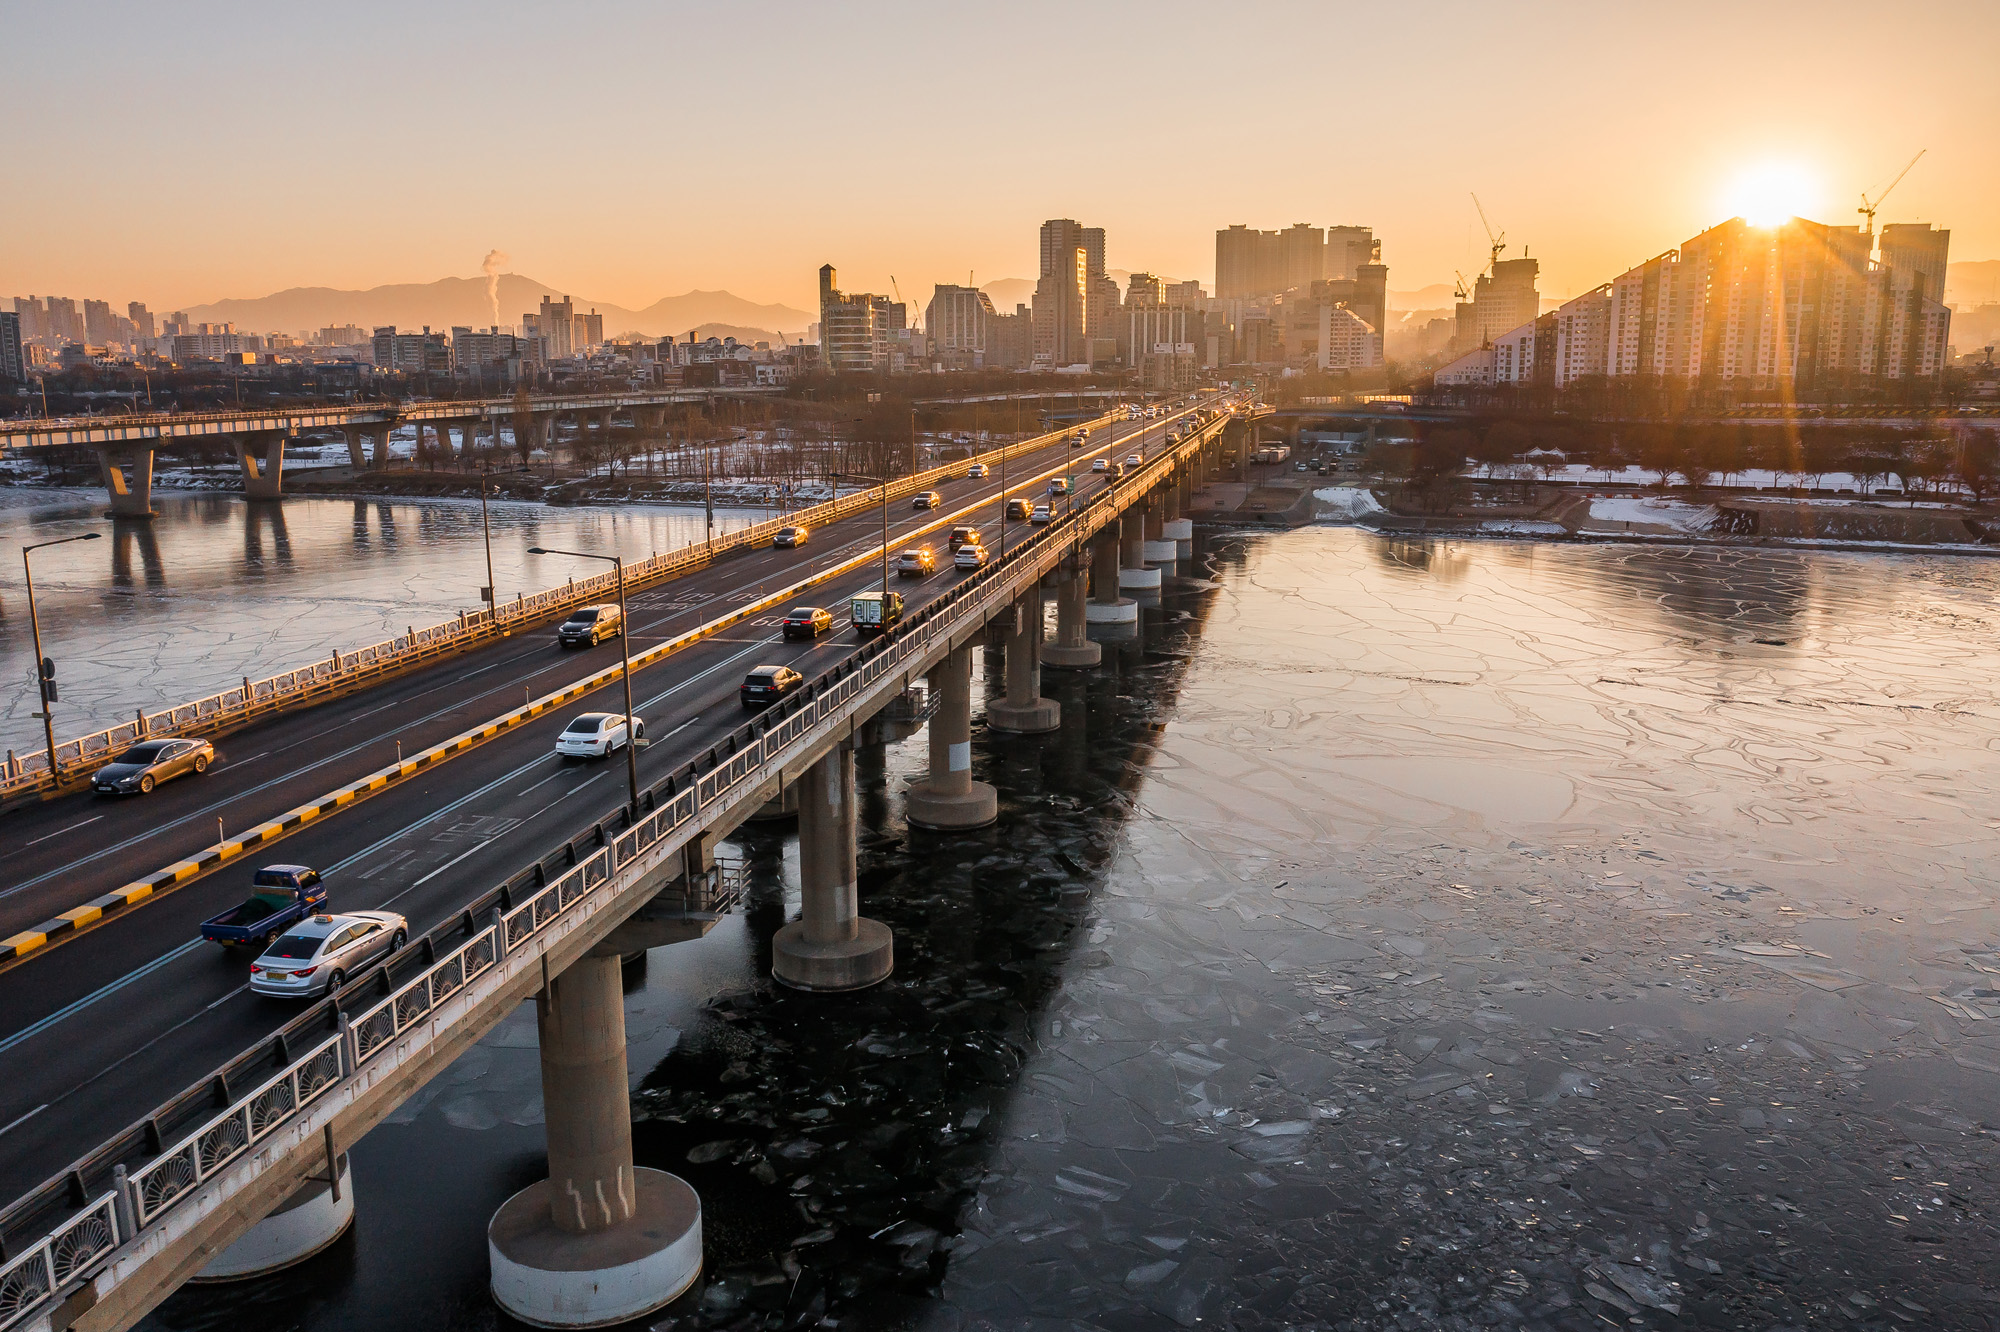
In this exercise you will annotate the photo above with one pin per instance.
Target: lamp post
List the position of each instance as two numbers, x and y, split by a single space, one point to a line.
625 651
856 476
486 527
44 667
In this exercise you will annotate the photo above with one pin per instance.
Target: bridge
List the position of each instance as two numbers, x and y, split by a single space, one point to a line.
521 881
125 445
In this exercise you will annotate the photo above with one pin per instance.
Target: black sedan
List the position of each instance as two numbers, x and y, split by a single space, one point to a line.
145 765
767 684
807 621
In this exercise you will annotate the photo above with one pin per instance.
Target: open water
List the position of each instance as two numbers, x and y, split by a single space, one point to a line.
1467 934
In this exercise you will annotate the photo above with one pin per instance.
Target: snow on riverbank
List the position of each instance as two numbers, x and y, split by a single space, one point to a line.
1344 504
1652 514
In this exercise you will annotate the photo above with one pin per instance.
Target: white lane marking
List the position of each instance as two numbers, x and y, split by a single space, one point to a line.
58 833
538 785
91 998
128 1058
481 671
25 1118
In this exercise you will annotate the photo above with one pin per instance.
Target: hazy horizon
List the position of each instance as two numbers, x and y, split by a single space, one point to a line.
372 145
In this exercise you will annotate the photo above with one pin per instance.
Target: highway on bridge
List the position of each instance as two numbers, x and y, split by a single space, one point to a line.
103 1027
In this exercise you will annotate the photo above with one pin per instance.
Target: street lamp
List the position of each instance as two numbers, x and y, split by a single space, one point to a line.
45 668
873 480
625 650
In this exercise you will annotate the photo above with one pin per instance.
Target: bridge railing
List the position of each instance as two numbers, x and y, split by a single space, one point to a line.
340 671
141 1175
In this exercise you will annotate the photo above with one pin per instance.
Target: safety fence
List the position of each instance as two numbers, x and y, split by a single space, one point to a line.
341 671
80 1218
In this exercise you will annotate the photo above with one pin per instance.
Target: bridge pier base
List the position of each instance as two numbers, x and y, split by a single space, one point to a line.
948 800
1132 571
1024 710
305 1223
263 459
1072 649
831 947
1107 608
128 479
599 1241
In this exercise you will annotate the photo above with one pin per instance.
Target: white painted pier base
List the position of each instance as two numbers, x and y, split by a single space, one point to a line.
549 1277
307 1222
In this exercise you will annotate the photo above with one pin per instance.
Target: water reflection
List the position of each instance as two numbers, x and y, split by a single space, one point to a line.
124 537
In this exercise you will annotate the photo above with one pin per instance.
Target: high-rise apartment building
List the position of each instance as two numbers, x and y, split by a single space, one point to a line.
858 331
13 348
957 320
1076 301
1801 307
424 353
1505 299
62 323
142 321
1250 265
32 316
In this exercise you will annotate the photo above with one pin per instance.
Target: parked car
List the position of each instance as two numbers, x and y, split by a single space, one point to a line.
926 499
876 612
587 626
806 621
1100 464
789 538
767 684
279 895
145 765
916 562
971 555
1041 513
318 956
1058 485
977 472
596 734
961 535
1019 508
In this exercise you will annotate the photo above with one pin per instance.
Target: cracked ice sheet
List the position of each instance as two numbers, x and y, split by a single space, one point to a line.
1537 798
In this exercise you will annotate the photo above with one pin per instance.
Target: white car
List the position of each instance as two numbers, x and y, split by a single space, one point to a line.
1134 460
1100 464
971 555
596 734
321 953
1040 515
976 472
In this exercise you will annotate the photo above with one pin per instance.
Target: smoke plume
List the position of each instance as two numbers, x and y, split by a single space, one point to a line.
495 261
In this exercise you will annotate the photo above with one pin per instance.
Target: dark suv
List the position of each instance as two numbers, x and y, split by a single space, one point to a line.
587 626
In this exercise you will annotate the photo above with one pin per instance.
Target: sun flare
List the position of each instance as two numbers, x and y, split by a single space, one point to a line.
1771 193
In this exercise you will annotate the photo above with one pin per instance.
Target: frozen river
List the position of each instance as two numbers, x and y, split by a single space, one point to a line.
1472 934
214 588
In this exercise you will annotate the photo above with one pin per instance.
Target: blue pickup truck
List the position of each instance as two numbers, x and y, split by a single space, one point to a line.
280 895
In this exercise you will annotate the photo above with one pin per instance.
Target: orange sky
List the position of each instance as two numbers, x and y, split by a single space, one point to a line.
180 154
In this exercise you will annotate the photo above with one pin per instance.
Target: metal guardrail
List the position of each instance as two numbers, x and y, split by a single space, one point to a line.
341 670
341 1035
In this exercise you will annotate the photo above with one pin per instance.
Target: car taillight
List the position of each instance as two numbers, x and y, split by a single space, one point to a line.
305 971
256 971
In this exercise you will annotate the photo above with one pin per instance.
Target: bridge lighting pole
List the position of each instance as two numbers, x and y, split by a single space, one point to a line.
45 668
625 651
875 480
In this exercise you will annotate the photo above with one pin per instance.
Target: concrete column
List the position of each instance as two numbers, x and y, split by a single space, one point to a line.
1178 527
599 1241
831 946
128 478
357 456
1106 605
1024 710
305 1223
382 434
948 799
1132 570
263 458
1072 648
1158 548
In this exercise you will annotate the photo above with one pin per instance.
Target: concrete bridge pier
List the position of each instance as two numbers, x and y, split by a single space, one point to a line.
263 457
831 947
948 800
1115 614
1024 710
1158 547
380 458
1072 648
128 478
1178 527
357 453
305 1223
1132 571
599 1241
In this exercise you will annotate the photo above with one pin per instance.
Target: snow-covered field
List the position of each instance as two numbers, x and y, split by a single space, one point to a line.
1344 504
1653 514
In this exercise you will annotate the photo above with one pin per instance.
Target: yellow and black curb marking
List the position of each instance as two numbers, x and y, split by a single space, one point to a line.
59 928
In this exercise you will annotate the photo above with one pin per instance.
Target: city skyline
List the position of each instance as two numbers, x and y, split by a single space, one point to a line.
721 96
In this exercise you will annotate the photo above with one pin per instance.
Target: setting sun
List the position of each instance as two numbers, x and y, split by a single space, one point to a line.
1771 193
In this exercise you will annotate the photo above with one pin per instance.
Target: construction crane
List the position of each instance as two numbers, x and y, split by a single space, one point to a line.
1499 242
1463 291
1868 206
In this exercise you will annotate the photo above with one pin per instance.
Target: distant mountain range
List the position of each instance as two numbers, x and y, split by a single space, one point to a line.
449 302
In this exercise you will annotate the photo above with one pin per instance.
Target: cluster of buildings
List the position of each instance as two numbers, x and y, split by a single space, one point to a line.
1303 298
1800 308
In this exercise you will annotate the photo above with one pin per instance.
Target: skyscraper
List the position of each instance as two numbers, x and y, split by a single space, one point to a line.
13 348
857 330
1250 265
1075 300
957 320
